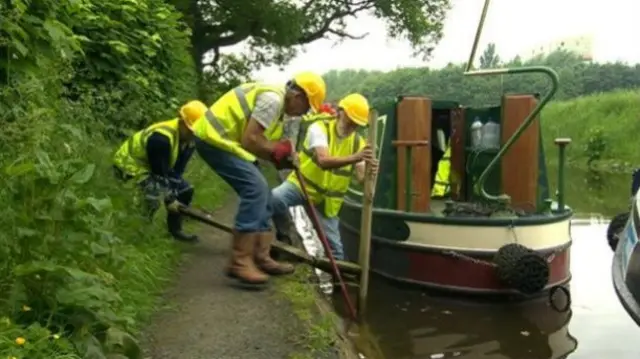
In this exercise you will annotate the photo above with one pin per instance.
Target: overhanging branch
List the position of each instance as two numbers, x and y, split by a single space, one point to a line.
222 35
326 27
347 35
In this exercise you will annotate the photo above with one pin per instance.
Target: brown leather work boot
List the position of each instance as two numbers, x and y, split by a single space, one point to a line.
264 260
242 266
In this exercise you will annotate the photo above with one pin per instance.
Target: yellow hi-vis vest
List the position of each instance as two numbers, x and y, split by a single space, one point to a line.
224 123
441 186
328 186
131 157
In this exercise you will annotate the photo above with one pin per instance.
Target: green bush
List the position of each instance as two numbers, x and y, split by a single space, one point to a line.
80 267
136 63
596 145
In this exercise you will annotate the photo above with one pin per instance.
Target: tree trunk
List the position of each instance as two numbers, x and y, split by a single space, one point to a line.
197 51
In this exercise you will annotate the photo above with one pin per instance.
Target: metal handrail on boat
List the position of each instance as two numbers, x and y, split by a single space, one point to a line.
553 76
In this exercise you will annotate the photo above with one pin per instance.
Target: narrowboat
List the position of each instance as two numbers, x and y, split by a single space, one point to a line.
496 229
625 268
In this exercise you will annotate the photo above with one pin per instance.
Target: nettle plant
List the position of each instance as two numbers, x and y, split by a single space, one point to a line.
58 255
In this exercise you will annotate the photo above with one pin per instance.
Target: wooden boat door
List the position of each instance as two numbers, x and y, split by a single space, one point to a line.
413 145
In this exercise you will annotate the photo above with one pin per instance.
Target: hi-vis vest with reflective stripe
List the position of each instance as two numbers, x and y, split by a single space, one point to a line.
328 186
225 122
441 186
131 157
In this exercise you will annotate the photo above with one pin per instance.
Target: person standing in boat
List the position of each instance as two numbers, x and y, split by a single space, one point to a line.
332 152
442 182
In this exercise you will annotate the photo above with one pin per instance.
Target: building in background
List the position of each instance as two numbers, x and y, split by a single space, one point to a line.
581 45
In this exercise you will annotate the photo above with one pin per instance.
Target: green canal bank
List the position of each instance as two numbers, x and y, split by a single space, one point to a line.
203 317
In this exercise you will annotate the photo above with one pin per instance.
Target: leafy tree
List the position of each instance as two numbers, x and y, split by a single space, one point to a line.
489 58
275 30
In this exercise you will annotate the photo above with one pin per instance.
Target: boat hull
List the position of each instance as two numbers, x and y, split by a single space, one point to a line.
455 257
626 265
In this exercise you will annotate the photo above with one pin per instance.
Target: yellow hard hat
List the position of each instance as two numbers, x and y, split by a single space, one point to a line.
313 85
356 107
191 112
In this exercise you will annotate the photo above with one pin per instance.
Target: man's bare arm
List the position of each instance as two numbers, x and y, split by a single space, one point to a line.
326 161
253 140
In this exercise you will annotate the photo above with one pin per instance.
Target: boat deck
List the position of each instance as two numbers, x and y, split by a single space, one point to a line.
438 208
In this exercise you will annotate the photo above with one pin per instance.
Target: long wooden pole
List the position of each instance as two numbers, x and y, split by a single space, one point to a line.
316 262
365 222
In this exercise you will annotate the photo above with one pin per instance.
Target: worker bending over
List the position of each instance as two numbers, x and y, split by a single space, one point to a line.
247 123
156 158
332 152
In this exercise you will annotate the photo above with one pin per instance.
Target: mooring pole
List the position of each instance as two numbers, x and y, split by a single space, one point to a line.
365 221
562 143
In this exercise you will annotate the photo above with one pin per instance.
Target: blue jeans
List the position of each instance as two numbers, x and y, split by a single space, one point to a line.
288 195
254 211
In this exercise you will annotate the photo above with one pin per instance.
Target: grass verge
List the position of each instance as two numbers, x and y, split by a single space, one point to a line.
322 333
603 127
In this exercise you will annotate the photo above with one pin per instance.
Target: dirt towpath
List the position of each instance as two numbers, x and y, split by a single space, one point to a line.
209 319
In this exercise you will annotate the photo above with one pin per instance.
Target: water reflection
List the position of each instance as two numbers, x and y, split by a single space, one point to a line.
418 326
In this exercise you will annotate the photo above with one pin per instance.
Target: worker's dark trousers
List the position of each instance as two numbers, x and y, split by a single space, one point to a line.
152 191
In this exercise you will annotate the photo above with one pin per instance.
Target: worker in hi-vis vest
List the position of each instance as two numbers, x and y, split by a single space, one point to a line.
156 159
282 221
244 124
332 152
442 183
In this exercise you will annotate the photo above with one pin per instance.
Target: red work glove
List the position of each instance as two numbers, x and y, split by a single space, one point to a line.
282 155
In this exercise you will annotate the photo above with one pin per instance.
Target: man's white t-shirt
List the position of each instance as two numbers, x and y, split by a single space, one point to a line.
267 110
317 137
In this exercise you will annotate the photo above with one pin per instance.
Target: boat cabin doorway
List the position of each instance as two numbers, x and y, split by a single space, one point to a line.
426 130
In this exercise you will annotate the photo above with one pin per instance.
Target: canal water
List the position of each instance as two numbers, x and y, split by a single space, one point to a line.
412 324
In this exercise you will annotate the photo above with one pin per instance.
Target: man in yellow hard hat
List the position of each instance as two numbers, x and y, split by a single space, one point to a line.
243 125
332 152
156 158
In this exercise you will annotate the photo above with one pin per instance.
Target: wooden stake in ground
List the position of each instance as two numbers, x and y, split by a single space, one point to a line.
365 222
